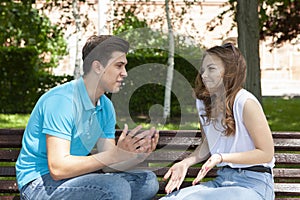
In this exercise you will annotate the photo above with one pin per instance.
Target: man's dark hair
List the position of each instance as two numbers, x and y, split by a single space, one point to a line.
100 48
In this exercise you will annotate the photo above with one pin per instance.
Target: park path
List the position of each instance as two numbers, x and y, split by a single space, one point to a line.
273 87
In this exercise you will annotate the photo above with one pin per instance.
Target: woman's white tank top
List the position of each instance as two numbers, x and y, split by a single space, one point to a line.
240 142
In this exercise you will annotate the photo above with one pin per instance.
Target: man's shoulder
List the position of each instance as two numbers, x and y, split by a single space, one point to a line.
66 89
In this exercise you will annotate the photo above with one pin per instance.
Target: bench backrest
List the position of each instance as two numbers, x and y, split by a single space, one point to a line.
173 146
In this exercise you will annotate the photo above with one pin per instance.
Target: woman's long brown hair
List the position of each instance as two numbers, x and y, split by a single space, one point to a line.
233 80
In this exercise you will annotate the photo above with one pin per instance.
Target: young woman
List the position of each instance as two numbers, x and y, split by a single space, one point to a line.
235 132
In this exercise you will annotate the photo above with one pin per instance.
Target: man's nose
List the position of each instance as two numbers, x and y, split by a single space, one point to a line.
124 72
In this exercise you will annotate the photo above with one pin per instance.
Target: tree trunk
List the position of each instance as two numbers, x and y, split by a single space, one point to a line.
102 17
77 23
248 42
169 79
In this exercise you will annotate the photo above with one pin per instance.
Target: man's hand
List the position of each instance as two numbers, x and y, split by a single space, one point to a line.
138 143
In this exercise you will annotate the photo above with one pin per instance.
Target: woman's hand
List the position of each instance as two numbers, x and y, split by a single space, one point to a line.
207 166
176 174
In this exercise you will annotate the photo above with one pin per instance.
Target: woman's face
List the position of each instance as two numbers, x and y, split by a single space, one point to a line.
212 72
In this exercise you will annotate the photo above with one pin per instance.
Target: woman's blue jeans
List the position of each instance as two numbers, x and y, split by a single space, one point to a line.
230 184
135 185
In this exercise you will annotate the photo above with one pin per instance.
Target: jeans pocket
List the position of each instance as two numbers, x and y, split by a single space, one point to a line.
262 183
29 191
270 194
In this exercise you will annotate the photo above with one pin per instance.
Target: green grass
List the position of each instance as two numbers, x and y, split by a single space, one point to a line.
282 114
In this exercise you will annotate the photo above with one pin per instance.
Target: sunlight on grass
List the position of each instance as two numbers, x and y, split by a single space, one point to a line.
187 126
13 120
282 115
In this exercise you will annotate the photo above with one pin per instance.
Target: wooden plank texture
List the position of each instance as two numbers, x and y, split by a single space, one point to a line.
174 145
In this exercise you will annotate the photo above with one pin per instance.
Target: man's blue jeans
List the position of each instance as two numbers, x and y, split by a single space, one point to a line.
110 186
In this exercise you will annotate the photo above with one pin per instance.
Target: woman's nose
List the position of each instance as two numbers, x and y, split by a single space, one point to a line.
203 75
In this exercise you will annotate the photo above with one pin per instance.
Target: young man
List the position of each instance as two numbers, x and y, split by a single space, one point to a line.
66 124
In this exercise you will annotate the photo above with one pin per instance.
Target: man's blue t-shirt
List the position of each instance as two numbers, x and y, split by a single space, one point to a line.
67 112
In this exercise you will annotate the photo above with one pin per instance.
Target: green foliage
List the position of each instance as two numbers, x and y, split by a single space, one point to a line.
22 83
18 78
278 19
29 45
128 22
22 26
151 94
149 42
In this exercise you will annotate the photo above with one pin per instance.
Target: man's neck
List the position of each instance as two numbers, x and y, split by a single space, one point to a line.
92 89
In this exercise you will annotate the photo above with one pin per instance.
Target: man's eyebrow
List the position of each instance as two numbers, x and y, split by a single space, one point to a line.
122 62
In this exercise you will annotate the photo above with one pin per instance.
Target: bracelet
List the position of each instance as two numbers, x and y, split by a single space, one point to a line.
221 157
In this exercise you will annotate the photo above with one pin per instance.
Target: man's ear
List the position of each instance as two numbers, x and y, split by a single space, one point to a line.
97 67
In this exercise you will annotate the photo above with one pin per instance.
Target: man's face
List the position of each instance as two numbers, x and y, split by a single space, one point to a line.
114 73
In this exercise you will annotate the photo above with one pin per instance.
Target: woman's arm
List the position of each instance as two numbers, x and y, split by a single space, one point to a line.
177 172
258 128
201 152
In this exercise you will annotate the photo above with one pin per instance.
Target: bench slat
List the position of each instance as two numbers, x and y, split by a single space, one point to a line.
10 155
10 197
170 142
193 171
8 186
291 135
164 156
9 137
171 156
7 171
287 189
173 146
282 189
287 158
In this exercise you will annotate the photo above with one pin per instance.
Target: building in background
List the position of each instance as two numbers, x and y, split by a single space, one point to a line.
280 68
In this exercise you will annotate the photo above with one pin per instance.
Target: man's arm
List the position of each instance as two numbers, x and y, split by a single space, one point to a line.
106 144
64 165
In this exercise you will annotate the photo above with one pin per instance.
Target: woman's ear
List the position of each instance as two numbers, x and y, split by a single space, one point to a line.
97 67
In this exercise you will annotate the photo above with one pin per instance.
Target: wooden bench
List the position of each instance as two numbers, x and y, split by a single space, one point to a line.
173 146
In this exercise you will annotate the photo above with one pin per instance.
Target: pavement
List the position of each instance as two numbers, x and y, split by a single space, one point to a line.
275 87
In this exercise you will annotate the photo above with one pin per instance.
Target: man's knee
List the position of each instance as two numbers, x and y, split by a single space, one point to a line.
150 185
